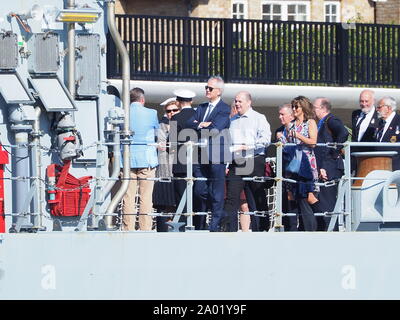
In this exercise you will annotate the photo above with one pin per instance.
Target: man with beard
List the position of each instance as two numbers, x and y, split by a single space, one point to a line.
364 123
389 127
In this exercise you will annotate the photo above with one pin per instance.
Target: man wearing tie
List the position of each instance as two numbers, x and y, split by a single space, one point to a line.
389 127
364 123
209 121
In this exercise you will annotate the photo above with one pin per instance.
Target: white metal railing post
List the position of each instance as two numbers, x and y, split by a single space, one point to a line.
189 186
278 214
347 187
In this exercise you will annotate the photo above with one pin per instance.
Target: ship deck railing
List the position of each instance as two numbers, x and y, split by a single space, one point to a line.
342 212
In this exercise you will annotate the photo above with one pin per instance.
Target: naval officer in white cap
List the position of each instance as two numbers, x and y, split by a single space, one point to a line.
178 123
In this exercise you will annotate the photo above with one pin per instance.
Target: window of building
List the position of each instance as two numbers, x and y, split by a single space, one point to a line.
272 11
286 10
297 12
239 9
332 11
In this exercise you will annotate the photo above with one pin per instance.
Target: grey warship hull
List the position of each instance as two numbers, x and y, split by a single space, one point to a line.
239 266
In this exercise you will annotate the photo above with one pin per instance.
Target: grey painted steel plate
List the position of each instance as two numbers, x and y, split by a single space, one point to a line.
53 94
13 89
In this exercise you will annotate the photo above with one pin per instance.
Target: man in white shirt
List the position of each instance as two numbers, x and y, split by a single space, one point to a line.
250 133
364 122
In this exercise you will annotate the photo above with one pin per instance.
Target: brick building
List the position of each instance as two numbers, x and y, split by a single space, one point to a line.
364 11
388 12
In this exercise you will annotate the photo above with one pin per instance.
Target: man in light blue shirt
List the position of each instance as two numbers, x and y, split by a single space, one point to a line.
144 123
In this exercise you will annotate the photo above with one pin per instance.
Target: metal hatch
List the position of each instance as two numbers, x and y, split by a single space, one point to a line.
53 94
13 90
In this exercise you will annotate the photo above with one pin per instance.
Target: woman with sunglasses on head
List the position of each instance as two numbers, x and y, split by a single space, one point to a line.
164 193
303 131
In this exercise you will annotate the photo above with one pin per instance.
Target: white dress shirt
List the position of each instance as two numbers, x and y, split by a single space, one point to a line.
252 130
387 124
210 108
364 125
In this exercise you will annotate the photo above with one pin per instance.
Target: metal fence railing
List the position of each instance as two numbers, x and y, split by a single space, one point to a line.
257 51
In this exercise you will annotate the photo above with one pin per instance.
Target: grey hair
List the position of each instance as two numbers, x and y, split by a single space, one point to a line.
371 92
325 103
390 102
288 106
220 82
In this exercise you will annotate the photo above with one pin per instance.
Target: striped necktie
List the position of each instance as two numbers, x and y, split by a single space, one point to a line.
379 133
359 121
208 111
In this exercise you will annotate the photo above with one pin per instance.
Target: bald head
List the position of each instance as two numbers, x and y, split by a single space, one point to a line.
322 107
242 102
367 100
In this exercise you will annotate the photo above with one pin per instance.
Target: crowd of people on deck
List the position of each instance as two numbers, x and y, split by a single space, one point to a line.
229 148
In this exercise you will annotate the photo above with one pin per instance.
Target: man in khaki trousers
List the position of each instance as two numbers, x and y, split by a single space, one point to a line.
144 123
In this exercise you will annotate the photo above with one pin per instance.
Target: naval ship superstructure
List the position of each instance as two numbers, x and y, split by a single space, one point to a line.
59 121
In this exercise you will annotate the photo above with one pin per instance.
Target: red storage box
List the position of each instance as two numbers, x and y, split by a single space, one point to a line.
71 194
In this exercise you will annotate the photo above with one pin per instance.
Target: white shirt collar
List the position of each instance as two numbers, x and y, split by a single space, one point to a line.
388 122
214 103
364 125
247 113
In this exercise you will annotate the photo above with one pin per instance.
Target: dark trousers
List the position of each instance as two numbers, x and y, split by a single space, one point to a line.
327 199
209 193
179 187
235 185
161 225
307 215
256 223
289 222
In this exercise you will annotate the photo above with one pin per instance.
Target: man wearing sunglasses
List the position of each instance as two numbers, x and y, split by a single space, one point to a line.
210 121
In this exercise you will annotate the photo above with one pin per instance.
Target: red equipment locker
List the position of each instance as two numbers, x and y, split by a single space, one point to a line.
71 194
3 161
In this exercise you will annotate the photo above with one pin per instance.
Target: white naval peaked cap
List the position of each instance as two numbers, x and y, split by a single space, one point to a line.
165 102
184 94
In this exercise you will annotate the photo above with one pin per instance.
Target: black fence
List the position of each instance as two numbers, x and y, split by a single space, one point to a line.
257 51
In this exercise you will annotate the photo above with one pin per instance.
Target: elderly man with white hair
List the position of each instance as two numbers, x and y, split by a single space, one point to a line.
389 127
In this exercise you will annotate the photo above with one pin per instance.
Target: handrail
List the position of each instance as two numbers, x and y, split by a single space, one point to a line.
258 51
279 179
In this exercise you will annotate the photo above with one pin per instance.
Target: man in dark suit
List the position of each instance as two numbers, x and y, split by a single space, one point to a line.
211 122
389 127
177 139
329 160
364 123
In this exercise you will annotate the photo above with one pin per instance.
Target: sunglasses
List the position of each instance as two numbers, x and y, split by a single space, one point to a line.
209 88
296 107
171 110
